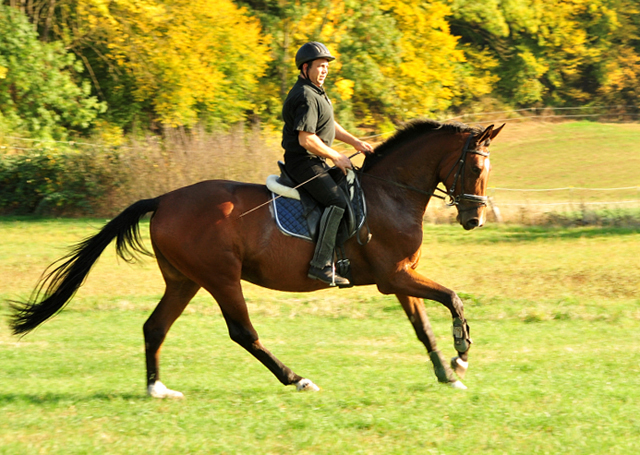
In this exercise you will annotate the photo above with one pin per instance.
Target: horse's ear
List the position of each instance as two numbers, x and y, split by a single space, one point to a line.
495 132
486 134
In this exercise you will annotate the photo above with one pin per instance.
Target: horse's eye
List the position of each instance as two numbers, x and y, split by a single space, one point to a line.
476 170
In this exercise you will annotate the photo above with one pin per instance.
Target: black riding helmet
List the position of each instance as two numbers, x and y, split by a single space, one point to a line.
312 51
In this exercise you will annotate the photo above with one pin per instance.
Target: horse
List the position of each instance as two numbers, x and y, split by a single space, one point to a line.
203 236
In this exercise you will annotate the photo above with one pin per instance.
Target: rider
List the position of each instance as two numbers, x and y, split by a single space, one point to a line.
307 136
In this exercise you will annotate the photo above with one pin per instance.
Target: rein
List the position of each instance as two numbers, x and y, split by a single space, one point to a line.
448 196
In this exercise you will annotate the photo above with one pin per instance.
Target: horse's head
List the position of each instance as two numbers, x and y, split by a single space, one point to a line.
466 178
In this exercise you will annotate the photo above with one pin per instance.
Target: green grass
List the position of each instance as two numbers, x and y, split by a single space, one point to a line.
554 315
75 387
581 157
578 154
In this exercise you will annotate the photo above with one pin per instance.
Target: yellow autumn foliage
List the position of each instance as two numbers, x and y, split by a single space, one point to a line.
178 62
402 51
185 56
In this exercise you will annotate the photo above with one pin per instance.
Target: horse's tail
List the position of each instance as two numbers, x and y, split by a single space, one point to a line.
58 285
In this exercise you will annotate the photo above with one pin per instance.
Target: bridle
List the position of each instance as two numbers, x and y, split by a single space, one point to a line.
448 197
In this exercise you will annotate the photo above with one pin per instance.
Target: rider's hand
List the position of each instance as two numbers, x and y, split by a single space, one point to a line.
343 162
364 147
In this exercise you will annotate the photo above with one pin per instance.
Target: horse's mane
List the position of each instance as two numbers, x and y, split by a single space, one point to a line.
408 132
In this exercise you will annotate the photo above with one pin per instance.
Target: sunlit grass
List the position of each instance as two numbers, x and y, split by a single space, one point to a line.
578 154
554 315
76 386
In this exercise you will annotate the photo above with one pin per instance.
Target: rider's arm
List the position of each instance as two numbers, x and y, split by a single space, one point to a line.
346 137
315 145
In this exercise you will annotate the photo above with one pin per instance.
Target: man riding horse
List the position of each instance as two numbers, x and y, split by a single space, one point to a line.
201 238
308 134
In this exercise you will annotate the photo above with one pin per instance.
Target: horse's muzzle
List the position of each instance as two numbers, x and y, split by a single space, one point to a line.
471 224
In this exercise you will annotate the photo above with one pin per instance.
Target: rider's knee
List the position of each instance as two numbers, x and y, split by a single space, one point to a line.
338 202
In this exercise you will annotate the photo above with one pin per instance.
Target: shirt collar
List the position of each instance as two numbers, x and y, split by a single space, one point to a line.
304 81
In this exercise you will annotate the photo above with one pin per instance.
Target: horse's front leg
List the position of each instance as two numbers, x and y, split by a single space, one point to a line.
414 308
410 283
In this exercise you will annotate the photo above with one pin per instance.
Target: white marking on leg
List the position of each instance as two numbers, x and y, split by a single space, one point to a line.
459 366
159 390
305 385
458 385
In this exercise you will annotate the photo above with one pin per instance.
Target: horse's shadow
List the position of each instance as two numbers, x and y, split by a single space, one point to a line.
57 398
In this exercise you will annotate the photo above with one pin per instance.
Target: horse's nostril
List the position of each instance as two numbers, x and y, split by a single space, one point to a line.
473 223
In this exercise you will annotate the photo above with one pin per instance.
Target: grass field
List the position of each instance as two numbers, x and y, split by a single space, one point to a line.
580 154
554 315
587 158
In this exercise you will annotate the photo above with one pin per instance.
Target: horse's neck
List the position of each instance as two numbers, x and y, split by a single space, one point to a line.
415 164
402 182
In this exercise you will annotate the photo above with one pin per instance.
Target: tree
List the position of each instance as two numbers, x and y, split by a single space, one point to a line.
182 60
179 62
547 52
434 73
396 59
38 93
618 72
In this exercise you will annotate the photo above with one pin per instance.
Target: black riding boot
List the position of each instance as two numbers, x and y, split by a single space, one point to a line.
321 264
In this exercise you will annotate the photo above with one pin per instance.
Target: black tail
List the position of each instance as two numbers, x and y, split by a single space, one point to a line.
58 285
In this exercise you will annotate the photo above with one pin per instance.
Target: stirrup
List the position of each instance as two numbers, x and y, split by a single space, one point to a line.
327 275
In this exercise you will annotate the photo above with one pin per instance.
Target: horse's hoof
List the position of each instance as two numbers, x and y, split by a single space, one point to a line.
159 390
459 366
305 385
458 385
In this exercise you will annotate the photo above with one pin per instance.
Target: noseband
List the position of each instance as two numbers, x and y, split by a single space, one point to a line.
448 197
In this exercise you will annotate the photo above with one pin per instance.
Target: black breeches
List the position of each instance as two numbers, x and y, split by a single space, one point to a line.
323 188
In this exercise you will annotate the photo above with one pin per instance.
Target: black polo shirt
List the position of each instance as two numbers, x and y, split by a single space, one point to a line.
307 108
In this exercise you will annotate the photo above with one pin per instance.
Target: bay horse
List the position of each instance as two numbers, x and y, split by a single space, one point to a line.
201 239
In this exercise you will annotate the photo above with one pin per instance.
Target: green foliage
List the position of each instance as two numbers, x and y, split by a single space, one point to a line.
44 182
363 91
219 62
555 53
38 93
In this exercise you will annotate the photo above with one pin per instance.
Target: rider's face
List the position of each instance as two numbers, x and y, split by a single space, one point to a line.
317 71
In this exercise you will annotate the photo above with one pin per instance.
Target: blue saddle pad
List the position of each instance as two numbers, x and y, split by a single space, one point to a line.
289 215
290 218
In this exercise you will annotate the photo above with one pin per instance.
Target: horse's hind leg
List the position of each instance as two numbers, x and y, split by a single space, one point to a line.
178 293
414 308
234 309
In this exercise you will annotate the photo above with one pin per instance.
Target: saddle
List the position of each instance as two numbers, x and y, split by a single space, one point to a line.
297 214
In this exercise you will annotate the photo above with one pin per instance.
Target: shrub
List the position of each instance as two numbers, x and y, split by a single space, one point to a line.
46 182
